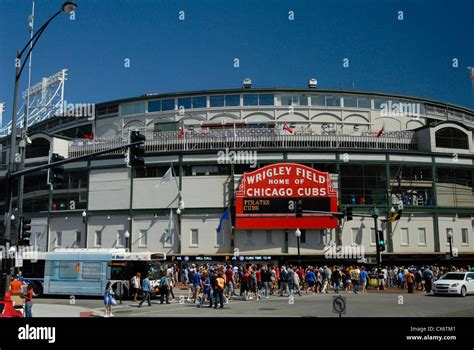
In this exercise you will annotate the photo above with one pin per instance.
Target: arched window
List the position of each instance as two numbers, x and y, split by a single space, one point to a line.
451 138
38 148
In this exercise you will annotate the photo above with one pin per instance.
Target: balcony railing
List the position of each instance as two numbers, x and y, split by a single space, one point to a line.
250 139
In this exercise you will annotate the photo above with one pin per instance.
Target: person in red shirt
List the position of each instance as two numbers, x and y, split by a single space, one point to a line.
29 301
15 286
229 279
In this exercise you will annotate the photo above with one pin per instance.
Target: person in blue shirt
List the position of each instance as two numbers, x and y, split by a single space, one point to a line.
363 279
197 284
311 280
206 289
146 288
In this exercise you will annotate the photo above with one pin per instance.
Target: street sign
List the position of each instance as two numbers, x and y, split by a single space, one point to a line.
339 305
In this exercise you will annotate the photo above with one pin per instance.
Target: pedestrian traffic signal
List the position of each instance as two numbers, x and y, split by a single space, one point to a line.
349 215
299 209
56 173
381 241
136 152
25 231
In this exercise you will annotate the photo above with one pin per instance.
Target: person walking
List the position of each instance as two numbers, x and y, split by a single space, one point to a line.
428 277
109 300
136 285
165 283
283 281
355 278
206 289
336 278
310 280
410 281
219 285
296 282
146 289
364 277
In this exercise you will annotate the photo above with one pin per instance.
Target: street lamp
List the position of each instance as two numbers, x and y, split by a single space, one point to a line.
298 237
84 217
67 7
127 236
450 240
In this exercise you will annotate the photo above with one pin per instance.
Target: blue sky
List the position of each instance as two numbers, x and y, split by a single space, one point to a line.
410 57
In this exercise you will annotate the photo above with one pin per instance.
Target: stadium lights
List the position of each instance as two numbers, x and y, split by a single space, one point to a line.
312 83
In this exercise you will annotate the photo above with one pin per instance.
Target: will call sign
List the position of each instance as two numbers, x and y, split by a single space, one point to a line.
267 198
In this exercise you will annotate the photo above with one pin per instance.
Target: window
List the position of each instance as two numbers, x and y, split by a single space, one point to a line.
350 101
269 236
294 100
217 101
69 269
464 236
249 237
199 102
132 108
404 237
363 102
166 126
250 100
265 99
92 270
356 236
168 237
232 100
77 243
59 239
167 105
317 100
98 239
220 237
452 138
154 106
194 237
422 236
121 239
333 101
143 238
184 103
303 236
37 238
373 239
380 104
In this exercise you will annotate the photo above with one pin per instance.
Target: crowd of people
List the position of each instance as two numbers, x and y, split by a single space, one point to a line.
217 284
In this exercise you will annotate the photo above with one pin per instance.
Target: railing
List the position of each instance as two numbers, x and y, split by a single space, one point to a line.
250 139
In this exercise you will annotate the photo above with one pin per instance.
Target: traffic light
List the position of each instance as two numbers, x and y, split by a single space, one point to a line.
25 231
56 173
136 152
349 215
299 209
381 241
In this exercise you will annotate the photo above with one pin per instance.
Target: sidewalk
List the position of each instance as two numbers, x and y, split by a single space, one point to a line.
53 310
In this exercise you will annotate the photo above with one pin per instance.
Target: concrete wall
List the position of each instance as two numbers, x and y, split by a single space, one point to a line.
204 191
109 189
68 228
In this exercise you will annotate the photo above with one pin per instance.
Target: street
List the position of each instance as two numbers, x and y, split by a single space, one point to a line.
372 304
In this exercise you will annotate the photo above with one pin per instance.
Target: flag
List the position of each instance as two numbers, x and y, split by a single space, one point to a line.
381 131
166 178
225 216
181 132
287 128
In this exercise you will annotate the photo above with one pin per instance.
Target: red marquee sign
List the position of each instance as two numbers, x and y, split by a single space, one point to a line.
267 198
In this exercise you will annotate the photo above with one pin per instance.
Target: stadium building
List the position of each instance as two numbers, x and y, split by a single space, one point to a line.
333 148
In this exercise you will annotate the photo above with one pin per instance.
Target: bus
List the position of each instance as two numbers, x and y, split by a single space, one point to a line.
85 272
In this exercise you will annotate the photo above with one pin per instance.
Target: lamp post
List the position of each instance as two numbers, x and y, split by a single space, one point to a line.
13 157
127 236
298 237
84 220
450 241
178 212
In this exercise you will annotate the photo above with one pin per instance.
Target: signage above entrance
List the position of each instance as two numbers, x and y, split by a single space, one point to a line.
268 198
